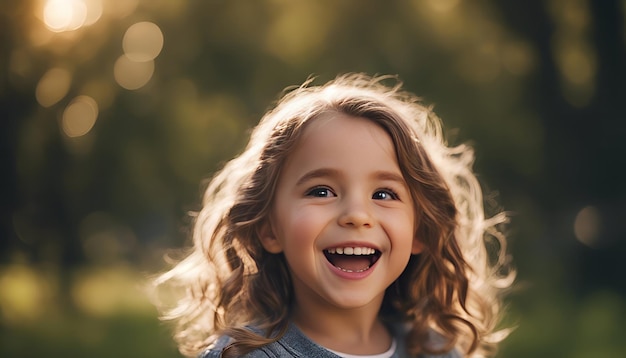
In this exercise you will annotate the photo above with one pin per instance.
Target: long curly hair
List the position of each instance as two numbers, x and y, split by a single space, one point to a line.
227 282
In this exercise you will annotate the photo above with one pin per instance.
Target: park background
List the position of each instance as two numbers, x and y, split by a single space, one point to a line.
114 113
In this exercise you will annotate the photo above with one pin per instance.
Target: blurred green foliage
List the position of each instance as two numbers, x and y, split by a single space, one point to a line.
536 86
77 335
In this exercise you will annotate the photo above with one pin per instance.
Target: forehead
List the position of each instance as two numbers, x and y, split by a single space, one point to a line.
343 141
329 125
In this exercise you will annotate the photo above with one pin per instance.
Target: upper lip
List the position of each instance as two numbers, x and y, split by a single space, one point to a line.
354 244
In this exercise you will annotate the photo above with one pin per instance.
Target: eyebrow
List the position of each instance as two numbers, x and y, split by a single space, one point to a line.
391 176
328 172
317 173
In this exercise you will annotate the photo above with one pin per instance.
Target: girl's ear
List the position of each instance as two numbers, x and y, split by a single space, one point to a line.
418 246
268 239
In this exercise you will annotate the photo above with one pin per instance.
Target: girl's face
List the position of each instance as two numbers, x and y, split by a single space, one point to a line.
342 215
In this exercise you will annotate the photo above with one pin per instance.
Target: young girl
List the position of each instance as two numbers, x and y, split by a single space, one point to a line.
346 228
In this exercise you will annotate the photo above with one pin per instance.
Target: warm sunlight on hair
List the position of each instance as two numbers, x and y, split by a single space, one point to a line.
306 211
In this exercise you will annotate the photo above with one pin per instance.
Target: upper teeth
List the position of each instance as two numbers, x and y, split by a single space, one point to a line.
352 250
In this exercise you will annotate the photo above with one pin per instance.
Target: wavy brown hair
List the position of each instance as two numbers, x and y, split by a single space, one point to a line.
228 282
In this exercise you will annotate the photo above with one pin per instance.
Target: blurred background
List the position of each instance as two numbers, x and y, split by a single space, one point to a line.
113 114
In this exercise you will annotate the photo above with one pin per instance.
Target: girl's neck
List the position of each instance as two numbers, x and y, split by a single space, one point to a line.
353 331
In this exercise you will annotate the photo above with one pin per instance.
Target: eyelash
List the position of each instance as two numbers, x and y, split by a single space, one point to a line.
316 191
392 194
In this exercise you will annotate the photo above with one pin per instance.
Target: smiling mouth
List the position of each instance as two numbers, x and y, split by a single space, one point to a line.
352 259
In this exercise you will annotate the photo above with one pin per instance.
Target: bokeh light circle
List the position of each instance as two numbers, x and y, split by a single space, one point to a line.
143 42
53 86
80 116
588 225
94 11
132 75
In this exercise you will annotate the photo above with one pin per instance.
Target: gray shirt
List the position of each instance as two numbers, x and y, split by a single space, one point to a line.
295 344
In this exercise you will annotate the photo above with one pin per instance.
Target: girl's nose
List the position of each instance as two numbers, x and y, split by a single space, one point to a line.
356 213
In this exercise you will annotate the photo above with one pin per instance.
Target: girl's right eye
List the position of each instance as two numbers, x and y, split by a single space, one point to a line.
320 192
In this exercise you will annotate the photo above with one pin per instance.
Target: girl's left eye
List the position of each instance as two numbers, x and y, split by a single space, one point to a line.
385 194
320 192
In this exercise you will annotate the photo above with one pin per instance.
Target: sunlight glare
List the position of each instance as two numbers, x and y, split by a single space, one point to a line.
64 15
80 116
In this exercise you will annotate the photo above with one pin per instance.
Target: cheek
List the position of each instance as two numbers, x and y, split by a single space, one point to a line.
300 225
401 227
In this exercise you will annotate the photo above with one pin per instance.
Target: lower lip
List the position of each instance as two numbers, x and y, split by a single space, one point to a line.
351 275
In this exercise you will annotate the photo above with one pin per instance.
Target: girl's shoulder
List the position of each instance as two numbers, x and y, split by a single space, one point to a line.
292 344
215 350
399 331
452 354
295 344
